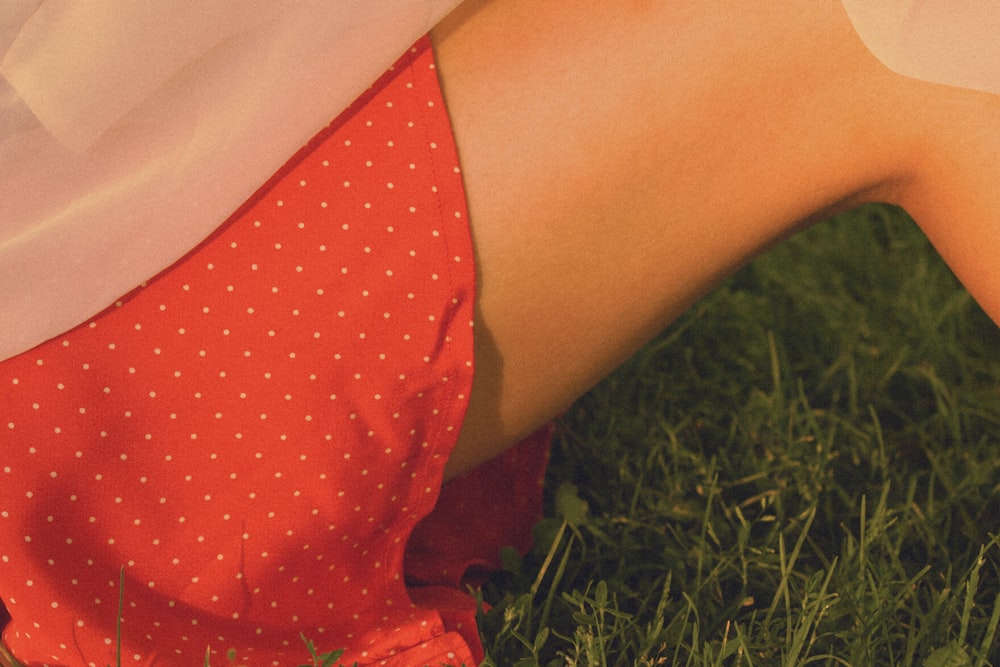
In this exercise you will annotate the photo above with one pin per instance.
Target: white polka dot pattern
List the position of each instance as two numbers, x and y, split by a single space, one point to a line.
253 434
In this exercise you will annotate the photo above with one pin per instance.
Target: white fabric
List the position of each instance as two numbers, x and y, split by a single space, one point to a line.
129 130
952 42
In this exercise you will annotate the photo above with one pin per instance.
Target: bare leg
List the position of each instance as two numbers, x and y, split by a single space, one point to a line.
622 158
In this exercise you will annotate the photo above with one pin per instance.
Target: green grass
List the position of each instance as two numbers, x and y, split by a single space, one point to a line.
803 470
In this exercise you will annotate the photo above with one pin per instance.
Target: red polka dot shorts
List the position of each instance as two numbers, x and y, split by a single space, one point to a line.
248 441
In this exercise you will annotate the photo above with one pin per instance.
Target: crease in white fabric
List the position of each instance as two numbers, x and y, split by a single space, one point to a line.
80 73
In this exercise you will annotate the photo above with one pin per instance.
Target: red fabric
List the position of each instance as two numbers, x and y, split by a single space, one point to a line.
253 436
490 507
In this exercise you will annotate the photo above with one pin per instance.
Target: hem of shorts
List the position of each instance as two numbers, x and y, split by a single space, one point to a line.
447 650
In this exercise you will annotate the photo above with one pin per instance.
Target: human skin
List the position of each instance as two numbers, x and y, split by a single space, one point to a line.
620 159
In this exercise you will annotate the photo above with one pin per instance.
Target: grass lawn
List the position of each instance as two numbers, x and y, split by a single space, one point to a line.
803 470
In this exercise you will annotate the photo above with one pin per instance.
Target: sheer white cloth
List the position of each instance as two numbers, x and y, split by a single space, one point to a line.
130 130
951 42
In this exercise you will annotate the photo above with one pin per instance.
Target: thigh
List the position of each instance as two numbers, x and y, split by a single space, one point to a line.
621 158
